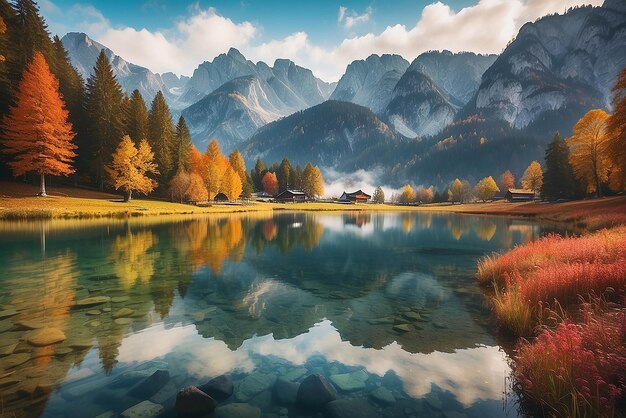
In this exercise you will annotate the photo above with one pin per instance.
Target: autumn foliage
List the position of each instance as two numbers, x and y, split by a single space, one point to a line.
36 131
130 167
270 183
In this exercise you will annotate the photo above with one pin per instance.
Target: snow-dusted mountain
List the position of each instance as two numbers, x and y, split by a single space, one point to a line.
83 52
233 96
370 82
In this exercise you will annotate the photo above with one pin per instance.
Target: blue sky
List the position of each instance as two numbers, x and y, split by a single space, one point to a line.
168 35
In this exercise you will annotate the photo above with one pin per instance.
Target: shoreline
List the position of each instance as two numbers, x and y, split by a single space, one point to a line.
18 203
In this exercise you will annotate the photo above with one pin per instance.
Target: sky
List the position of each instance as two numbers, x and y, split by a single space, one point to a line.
324 36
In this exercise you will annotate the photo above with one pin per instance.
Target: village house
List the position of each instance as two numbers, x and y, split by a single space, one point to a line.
519 195
290 196
357 197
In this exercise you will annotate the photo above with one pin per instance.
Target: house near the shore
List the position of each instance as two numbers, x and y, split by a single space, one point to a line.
290 196
519 195
357 197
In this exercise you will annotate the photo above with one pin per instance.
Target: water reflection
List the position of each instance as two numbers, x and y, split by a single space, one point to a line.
390 294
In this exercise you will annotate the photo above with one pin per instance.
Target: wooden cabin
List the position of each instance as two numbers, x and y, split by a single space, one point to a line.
220 198
357 197
290 196
519 195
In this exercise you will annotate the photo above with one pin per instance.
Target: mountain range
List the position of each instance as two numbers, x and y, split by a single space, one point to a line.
444 115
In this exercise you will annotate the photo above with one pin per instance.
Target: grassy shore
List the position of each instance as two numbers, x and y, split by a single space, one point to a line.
566 296
20 201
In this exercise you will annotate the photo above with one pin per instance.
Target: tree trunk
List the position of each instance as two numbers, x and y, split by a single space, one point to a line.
42 192
128 196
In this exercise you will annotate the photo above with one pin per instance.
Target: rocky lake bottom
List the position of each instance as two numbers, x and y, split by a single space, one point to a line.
290 315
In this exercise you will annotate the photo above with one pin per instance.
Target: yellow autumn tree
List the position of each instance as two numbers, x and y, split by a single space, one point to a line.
533 177
407 195
426 194
238 164
459 191
589 150
231 184
486 189
130 168
178 184
213 169
36 131
507 180
196 191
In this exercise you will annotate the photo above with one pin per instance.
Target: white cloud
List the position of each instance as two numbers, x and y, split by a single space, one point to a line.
484 27
350 19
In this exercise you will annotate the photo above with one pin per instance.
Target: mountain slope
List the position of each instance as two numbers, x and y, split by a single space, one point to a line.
370 82
335 134
232 113
83 52
249 96
418 107
558 62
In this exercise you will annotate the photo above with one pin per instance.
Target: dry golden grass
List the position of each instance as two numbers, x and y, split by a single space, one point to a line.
20 201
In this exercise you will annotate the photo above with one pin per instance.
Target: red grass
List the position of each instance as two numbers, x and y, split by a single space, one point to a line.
578 369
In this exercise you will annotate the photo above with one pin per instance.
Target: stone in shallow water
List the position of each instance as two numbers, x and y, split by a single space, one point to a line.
15 360
295 374
120 299
219 388
253 384
122 313
238 410
350 408
62 351
315 392
28 325
192 402
123 321
382 395
46 336
79 375
151 385
108 414
286 392
349 382
145 409
9 349
411 316
94 312
8 313
402 328
92 301
166 394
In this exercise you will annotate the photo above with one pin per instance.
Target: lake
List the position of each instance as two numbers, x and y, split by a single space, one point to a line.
383 305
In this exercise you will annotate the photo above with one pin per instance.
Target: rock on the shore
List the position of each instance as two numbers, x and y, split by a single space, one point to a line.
315 392
192 402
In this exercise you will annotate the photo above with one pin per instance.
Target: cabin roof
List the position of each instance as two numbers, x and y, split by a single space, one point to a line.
292 192
520 191
357 193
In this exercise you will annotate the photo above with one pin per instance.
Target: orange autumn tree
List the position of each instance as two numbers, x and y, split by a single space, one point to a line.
215 165
130 166
270 183
36 131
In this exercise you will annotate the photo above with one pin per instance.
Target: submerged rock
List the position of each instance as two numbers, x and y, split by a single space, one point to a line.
15 360
238 410
350 408
46 336
145 409
402 328
151 385
92 301
286 392
192 402
122 313
382 395
349 382
219 388
254 384
315 392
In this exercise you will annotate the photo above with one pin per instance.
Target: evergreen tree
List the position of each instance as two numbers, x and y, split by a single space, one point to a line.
182 145
283 174
161 135
379 195
36 131
103 107
257 175
558 179
136 117
297 181
30 34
